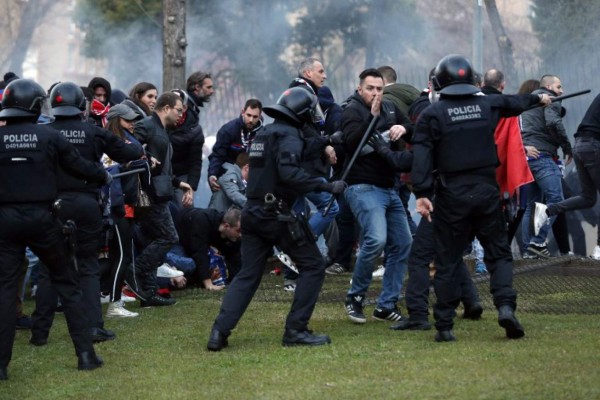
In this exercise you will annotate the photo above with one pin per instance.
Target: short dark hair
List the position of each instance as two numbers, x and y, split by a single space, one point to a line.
369 72
197 78
253 103
242 159
232 216
547 79
388 73
168 99
493 78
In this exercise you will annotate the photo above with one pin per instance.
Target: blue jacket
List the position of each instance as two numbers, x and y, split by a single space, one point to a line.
232 139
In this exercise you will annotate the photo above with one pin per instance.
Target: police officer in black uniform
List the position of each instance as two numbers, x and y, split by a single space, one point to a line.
29 159
79 202
275 182
455 155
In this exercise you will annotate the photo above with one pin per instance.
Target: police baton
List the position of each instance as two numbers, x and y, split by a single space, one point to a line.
362 143
133 171
563 97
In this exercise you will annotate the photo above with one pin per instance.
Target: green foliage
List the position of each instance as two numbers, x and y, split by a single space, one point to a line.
250 41
567 30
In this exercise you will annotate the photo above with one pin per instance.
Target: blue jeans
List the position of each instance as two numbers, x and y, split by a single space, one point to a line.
383 224
318 222
547 188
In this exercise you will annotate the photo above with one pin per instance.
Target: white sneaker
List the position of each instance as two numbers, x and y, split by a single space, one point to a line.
378 273
117 310
540 218
289 285
166 271
127 299
104 298
596 255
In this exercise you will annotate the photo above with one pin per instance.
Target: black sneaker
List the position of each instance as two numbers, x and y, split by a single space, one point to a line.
387 314
157 301
540 250
528 255
335 269
354 309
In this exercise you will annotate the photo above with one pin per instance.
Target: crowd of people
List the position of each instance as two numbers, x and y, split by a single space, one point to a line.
99 185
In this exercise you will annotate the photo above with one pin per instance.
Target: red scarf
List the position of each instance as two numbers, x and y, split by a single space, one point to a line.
100 110
513 171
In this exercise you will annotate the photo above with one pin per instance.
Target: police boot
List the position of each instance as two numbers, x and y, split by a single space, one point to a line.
507 320
217 341
411 325
3 374
445 336
293 337
88 360
473 311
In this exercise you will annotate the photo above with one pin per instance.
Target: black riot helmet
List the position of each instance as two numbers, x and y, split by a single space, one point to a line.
67 99
22 98
295 103
454 76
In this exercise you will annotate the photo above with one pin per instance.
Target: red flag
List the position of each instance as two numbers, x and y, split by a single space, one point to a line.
513 171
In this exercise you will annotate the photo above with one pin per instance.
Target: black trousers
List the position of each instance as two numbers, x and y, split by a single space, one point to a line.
33 225
259 235
84 210
120 256
460 210
422 253
159 232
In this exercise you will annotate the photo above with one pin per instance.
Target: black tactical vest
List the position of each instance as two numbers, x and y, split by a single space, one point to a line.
466 141
81 135
262 175
27 164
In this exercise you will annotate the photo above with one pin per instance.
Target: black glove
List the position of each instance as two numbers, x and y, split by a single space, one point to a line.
108 178
336 138
377 142
336 187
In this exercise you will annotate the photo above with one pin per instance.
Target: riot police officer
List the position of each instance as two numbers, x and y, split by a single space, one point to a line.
275 181
455 155
29 159
79 202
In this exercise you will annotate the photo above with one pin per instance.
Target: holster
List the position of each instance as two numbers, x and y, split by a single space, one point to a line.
298 227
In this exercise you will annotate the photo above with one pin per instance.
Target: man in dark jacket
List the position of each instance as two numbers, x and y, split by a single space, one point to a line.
373 199
187 140
234 138
199 229
543 129
157 224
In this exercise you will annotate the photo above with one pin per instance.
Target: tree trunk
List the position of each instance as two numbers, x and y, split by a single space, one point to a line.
504 44
32 13
174 44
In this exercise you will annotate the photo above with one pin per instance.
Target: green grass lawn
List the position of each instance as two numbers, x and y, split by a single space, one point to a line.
161 355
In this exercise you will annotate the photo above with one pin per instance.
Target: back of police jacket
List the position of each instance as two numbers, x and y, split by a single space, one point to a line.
92 142
30 156
455 136
275 157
